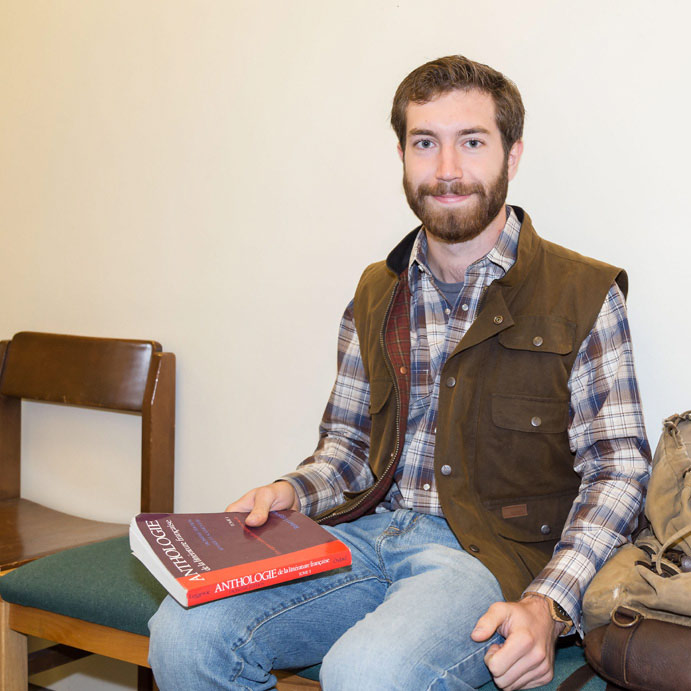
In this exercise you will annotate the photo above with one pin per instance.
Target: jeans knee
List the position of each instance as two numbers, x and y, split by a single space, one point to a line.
171 636
358 661
186 646
207 647
355 664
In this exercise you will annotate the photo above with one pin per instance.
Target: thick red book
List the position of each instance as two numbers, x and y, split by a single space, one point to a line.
199 557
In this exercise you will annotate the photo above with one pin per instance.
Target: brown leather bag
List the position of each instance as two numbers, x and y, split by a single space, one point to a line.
640 653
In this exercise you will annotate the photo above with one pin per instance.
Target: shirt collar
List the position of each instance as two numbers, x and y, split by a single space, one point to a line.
503 254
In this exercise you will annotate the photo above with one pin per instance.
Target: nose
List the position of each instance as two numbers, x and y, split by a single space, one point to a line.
449 164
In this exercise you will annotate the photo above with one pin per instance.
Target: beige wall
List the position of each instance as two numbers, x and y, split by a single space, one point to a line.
215 175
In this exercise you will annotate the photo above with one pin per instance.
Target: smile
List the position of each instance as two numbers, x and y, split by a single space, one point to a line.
451 198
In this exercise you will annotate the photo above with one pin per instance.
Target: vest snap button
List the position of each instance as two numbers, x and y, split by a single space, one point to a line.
451 382
536 421
546 529
474 548
498 319
446 470
537 341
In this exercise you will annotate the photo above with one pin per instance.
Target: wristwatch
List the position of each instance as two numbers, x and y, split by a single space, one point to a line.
556 611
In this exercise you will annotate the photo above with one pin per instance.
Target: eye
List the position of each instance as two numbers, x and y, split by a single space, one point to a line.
473 143
423 144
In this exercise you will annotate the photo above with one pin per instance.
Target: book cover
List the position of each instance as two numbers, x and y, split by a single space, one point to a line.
199 557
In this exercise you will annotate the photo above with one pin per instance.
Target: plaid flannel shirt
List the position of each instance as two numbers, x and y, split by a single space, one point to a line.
606 431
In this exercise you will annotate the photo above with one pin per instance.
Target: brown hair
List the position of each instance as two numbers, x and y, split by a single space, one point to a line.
457 72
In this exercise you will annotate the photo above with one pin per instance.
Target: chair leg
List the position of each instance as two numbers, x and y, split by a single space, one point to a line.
13 654
292 682
145 679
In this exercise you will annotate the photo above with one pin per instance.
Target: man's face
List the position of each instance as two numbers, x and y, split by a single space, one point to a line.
455 170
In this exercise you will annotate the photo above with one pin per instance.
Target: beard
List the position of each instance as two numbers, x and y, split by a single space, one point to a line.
460 224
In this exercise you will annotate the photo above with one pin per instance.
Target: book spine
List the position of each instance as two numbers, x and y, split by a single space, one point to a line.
243 581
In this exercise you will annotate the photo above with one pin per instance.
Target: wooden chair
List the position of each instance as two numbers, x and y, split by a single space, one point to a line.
127 376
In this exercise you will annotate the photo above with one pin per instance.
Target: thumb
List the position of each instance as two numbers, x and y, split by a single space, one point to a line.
488 623
263 501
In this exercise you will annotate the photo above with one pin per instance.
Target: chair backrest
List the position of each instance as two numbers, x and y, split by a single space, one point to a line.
106 373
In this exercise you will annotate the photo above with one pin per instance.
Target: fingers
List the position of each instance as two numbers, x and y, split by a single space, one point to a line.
517 662
494 648
526 667
533 678
525 659
244 503
508 662
259 501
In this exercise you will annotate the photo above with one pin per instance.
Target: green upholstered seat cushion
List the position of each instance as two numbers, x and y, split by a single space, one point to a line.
569 658
101 583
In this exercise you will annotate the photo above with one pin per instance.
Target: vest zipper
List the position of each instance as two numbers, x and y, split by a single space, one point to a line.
397 396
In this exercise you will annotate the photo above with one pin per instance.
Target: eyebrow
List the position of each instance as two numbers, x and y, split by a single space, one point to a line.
461 133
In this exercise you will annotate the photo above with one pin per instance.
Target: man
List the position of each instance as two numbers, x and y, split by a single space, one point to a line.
482 452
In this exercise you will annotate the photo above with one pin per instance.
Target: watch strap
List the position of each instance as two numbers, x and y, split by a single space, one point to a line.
557 612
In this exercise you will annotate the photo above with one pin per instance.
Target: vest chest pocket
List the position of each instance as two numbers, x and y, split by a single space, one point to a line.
540 334
530 413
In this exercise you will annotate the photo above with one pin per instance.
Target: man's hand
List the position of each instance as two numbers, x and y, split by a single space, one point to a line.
260 500
526 658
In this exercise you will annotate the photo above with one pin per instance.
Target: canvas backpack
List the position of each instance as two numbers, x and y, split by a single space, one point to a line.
637 610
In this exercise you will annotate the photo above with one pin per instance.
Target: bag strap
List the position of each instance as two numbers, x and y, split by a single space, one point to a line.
577 679
616 642
580 677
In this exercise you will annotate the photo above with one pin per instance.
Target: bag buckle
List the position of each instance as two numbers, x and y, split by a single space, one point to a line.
625 618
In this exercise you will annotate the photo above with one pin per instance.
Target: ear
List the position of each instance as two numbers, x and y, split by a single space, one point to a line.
400 151
514 158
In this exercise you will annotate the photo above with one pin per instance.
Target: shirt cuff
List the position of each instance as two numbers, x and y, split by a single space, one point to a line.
314 494
564 580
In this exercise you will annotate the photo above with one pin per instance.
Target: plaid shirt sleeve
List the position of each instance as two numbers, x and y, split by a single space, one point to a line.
612 456
340 462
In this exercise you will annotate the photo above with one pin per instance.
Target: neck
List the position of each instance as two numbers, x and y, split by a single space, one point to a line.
449 261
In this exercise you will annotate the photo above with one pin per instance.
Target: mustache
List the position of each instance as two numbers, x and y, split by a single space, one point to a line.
457 188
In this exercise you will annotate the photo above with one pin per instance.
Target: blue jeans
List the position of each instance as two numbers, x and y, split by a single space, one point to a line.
399 618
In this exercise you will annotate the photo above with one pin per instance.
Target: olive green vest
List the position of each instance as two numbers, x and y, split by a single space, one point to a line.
502 462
